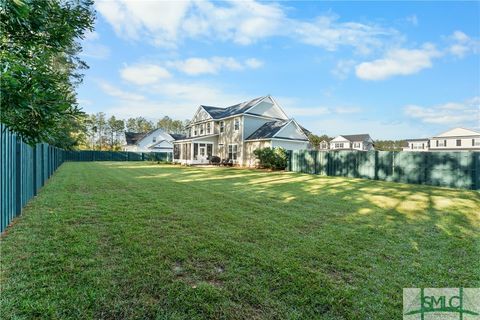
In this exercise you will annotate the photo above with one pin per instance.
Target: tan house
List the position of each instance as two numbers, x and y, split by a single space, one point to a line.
457 139
234 132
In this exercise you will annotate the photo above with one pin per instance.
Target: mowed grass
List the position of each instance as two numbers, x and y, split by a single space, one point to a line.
147 241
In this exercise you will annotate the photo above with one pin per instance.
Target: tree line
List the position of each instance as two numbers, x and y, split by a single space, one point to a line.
100 132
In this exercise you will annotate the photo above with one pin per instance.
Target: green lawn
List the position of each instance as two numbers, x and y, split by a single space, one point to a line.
139 240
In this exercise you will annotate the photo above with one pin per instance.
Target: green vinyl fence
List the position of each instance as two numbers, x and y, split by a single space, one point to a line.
23 171
90 155
445 169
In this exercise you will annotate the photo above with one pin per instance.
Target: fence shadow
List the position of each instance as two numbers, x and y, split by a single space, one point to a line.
445 169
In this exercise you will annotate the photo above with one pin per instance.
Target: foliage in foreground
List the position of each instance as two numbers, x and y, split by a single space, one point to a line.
192 243
39 47
271 158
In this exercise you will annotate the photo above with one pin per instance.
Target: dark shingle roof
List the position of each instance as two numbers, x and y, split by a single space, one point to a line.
133 137
357 137
268 130
177 136
218 113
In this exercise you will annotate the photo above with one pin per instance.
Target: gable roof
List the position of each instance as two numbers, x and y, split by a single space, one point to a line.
356 137
240 108
270 129
458 132
133 137
177 136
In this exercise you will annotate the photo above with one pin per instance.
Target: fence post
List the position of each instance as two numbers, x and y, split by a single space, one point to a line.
18 176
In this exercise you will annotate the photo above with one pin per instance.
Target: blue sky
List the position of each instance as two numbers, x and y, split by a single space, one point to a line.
391 69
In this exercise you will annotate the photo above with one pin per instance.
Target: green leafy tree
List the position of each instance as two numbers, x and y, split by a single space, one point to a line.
115 129
169 125
40 67
139 124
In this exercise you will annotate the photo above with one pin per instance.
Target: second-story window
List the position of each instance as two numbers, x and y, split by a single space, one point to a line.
154 139
201 128
209 127
459 143
195 131
237 124
222 126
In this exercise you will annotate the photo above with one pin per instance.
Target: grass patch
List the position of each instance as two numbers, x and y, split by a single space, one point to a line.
137 240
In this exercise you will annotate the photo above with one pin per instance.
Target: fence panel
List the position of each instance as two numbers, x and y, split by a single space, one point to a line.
445 169
23 171
90 155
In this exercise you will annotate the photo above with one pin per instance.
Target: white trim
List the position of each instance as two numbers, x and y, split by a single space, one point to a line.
276 103
298 127
262 117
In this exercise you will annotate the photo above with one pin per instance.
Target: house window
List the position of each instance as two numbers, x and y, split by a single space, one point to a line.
195 131
232 151
201 128
222 126
338 145
356 145
459 143
437 143
237 124
209 127
154 139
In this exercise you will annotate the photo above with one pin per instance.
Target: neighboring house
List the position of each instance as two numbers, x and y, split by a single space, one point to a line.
457 139
236 131
324 145
361 142
156 140
422 144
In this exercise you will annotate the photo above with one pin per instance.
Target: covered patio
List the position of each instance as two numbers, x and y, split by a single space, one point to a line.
195 150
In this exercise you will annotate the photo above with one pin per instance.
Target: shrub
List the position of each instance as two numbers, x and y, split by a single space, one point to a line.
272 158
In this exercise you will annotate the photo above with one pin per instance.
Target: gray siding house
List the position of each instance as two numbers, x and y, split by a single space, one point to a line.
235 132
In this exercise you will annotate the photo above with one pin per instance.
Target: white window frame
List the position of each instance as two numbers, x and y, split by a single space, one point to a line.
222 126
236 124
230 146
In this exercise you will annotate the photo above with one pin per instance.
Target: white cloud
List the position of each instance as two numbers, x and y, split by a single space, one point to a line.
254 63
91 48
461 44
165 24
398 62
197 66
412 19
465 113
326 32
95 50
319 111
343 68
142 74
118 93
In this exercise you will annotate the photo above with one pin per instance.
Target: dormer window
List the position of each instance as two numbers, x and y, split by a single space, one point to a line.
237 124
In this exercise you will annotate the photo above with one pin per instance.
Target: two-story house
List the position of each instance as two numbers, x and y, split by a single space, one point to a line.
235 132
457 139
360 142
